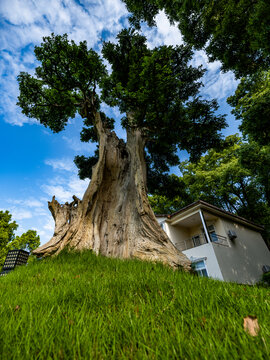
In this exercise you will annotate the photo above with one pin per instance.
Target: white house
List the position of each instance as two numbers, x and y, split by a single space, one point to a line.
220 245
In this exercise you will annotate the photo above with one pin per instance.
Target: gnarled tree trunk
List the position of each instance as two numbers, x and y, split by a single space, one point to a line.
114 217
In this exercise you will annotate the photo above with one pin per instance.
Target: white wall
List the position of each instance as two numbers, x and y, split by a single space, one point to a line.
206 251
242 262
178 235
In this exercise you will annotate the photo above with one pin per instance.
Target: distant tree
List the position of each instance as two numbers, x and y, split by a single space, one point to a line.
236 32
219 178
161 204
170 195
256 159
157 93
251 103
8 241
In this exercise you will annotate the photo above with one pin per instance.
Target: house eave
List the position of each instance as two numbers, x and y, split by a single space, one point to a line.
214 210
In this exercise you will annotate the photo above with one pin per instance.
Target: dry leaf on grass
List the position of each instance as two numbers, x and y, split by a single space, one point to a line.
202 321
251 325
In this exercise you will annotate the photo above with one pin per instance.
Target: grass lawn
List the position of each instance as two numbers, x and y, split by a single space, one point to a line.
80 306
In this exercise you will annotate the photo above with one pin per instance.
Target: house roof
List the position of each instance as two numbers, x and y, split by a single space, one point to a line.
217 211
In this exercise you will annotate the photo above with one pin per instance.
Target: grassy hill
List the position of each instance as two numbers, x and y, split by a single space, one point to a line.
80 306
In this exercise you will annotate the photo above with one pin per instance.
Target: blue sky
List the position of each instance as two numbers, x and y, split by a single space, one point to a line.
35 163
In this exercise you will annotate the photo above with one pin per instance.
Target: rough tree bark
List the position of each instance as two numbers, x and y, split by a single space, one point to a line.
114 217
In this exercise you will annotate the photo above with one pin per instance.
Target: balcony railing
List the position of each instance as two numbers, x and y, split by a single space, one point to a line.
219 239
200 239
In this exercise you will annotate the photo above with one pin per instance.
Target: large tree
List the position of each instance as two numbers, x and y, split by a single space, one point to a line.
236 32
157 93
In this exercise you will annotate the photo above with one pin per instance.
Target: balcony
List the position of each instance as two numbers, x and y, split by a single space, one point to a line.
200 239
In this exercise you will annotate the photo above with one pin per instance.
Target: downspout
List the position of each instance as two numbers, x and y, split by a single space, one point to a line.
204 226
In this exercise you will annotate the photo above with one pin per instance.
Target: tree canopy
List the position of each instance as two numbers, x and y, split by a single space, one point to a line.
9 241
156 90
234 32
220 178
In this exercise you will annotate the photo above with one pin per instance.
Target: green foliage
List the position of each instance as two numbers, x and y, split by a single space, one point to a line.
216 178
67 77
219 178
80 306
169 195
232 31
27 241
251 103
158 91
161 204
85 165
256 159
8 241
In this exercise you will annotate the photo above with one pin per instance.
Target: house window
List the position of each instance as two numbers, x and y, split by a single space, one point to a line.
212 233
196 240
200 268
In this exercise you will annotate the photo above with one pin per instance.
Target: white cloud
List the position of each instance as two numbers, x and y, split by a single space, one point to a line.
49 225
163 34
32 203
200 58
75 144
20 214
65 164
170 34
78 186
58 191
217 84
64 189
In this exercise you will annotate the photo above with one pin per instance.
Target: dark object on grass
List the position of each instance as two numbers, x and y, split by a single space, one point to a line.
266 278
13 259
